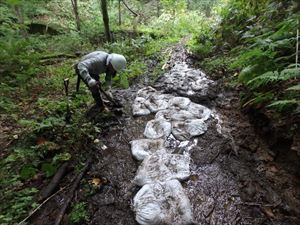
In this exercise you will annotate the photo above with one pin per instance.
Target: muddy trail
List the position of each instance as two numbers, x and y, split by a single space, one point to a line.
234 177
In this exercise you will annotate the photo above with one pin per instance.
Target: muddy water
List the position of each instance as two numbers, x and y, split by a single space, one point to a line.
235 178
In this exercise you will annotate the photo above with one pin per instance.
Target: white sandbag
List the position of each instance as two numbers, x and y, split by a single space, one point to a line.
182 67
200 111
179 102
161 167
146 92
157 102
162 203
157 128
196 127
196 85
181 115
185 130
164 114
139 108
174 114
145 147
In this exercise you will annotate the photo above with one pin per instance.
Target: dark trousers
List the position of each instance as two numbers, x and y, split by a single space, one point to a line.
95 92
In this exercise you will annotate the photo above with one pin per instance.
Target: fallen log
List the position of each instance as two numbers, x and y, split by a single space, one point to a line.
55 58
58 55
50 188
73 188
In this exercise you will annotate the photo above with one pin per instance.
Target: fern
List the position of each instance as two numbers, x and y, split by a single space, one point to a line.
248 73
284 105
259 98
290 73
271 77
264 79
294 88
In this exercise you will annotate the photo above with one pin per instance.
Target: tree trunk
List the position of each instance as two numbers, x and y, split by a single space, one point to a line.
105 19
20 15
120 19
157 7
76 13
188 5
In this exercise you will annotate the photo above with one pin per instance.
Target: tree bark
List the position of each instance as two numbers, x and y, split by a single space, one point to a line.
157 8
76 13
105 19
120 18
20 15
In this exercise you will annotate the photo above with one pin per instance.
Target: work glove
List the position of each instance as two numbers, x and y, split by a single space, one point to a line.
108 92
92 82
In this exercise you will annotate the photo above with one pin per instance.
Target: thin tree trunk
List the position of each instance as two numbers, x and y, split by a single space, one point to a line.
21 21
157 7
105 19
189 5
76 13
120 18
297 44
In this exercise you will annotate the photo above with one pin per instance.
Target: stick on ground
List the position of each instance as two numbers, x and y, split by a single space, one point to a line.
73 188
47 191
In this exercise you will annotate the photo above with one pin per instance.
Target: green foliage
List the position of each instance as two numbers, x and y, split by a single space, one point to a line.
217 65
174 6
17 204
294 88
18 59
79 213
202 49
286 105
27 171
48 169
258 38
6 104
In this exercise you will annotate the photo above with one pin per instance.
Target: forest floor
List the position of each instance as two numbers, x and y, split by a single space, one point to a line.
236 176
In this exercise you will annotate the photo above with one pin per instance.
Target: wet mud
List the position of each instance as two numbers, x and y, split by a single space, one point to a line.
237 176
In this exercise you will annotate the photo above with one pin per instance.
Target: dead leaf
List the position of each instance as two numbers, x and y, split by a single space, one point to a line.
268 211
194 177
95 182
41 141
273 169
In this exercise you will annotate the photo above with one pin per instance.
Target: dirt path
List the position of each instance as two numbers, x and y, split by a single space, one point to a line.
235 177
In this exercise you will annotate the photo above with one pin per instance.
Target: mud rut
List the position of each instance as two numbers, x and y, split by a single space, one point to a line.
234 180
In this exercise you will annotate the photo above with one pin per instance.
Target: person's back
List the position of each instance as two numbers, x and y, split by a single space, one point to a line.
95 62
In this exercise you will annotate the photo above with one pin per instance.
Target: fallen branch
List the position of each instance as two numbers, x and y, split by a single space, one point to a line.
59 55
73 188
134 13
55 58
214 158
43 203
257 204
46 192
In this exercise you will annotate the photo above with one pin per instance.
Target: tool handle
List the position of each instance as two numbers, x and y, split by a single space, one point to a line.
66 84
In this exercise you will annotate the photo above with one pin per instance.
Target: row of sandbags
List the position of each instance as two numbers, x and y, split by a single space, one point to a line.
176 115
162 200
185 81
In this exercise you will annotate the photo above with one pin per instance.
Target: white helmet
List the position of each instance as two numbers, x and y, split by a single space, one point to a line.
117 61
